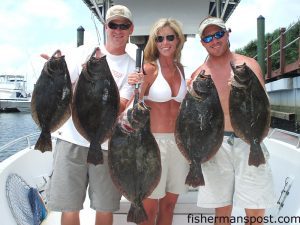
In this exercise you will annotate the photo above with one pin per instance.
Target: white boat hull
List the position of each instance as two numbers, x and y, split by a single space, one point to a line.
33 165
15 105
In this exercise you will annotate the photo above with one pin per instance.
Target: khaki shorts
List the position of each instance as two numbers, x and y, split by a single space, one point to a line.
174 167
229 180
72 175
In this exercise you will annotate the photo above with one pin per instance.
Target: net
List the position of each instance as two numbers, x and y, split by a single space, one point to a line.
26 205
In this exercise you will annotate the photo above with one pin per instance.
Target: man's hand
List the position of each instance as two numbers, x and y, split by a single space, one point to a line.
45 56
57 53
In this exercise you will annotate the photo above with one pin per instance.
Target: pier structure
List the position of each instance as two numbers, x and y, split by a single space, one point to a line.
282 75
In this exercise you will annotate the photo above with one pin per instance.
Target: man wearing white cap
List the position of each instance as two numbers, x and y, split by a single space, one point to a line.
72 174
228 177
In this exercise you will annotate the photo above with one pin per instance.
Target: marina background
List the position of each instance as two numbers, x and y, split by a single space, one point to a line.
23 39
27 30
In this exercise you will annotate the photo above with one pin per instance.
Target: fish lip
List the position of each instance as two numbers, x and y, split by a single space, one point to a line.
144 106
236 67
56 54
202 86
238 73
57 64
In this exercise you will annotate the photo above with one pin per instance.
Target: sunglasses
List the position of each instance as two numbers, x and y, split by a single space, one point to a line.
169 38
121 26
216 35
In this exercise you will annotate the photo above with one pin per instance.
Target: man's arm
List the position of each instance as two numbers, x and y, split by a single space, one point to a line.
123 104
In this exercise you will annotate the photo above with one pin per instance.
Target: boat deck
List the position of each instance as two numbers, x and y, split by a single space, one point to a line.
187 204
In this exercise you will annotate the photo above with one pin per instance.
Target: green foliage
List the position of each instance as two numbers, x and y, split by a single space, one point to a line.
291 52
249 49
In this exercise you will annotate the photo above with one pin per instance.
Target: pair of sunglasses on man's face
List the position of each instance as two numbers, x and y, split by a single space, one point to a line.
169 38
122 26
216 35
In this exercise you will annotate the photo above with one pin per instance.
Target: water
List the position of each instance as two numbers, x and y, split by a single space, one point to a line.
13 126
293 126
16 125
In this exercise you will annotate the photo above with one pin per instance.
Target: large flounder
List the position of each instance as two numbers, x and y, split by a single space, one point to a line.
134 163
95 105
199 126
249 110
51 99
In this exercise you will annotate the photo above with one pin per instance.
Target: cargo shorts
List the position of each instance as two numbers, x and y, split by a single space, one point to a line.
71 177
229 180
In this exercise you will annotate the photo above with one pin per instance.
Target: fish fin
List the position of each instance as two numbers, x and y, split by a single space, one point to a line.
44 142
195 176
256 155
137 213
95 155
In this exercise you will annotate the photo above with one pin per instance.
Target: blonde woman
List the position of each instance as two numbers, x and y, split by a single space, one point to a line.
163 89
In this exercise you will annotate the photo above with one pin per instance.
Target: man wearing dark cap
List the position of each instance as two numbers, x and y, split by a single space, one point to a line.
228 177
72 174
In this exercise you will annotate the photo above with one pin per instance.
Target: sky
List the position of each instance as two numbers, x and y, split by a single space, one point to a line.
31 27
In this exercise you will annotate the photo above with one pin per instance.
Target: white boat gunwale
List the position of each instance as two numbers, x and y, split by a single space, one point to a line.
284 161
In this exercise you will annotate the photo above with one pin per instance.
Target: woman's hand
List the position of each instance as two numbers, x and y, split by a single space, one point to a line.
135 78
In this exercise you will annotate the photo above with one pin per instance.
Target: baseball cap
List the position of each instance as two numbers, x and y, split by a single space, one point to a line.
211 21
117 11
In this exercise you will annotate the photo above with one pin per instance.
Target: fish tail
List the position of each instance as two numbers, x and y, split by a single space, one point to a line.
44 142
137 213
195 176
95 155
256 156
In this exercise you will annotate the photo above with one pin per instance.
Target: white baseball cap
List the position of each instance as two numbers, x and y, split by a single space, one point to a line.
118 11
211 21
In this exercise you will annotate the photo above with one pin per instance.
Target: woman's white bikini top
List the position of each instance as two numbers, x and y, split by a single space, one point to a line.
160 90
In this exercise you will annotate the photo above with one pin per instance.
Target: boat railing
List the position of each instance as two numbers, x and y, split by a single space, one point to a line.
285 136
26 142
279 134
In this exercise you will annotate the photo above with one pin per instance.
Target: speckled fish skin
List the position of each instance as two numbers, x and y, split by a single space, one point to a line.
95 106
249 109
135 165
199 127
51 100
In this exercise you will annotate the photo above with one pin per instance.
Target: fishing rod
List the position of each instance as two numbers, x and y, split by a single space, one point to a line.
138 66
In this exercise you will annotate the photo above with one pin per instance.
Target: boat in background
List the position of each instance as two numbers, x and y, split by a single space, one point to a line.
13 94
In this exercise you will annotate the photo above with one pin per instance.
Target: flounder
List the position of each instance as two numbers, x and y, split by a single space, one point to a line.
51 99
134 162
249 110
95 105
199 126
